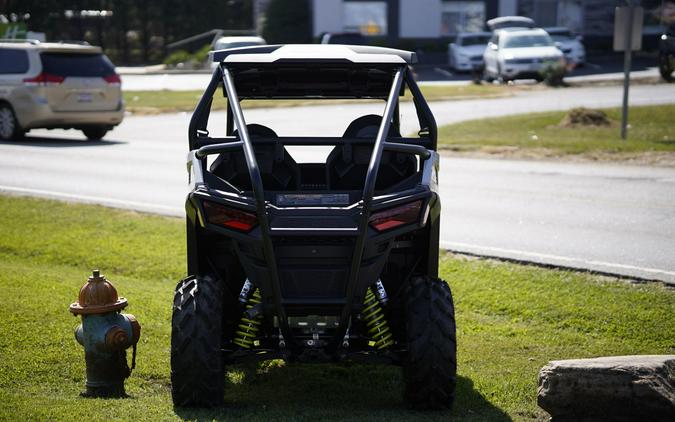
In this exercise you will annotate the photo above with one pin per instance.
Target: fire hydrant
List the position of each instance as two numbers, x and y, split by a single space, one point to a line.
105 334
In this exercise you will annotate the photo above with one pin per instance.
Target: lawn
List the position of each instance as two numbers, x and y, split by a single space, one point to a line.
651 131
153 102
511 320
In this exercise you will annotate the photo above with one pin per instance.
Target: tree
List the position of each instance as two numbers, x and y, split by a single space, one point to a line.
287 22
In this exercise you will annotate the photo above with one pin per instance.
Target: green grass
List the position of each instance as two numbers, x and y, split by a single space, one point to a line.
652 130
153 102
511 320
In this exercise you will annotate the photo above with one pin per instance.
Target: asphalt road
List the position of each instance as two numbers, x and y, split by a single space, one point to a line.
618 219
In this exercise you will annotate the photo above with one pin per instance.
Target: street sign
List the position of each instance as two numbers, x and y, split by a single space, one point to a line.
627 38
622 23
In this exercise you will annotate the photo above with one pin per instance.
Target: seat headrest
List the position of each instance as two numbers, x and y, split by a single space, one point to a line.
258 131
367 127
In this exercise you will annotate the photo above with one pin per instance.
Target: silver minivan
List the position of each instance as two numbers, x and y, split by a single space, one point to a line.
57 85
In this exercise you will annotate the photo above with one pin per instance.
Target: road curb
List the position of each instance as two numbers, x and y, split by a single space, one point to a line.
635 279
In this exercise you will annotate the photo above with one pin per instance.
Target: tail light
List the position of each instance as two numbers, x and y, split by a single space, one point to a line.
230 218
113 79
44 79
396 216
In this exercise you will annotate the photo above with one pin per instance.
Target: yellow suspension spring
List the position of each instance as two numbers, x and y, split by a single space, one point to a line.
378 328
248 328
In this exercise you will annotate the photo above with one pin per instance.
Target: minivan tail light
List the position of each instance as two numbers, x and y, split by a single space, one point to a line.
113 79
230 218
395 217
44 79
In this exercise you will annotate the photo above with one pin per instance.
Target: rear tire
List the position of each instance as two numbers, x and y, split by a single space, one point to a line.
197 369
10 130
95 133
430 371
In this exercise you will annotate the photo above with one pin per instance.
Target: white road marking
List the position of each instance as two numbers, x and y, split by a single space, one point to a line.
115 203
548 258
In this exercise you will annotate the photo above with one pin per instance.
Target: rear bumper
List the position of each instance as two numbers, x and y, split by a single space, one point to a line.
312 264
42 116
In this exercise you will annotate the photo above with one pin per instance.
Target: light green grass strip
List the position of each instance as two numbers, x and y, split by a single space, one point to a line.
651 130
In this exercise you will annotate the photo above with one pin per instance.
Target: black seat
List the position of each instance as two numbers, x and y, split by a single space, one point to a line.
347 164
278 169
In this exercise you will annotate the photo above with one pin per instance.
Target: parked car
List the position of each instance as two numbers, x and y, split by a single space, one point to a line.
57 85
466 53
345 38
569 44
667 54
517 53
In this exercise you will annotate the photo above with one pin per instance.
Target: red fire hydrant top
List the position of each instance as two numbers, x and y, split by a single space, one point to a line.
97 296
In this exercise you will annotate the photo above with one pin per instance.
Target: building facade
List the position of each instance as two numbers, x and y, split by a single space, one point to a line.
414 19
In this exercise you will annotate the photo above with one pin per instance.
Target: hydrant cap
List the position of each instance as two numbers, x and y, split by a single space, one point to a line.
97 296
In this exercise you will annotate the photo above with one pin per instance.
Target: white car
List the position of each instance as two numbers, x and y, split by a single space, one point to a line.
466 53
517 53
570 44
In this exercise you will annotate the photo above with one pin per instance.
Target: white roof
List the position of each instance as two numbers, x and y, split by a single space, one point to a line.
314 53
240 39
50 46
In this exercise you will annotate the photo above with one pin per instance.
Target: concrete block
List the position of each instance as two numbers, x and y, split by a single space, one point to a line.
618 388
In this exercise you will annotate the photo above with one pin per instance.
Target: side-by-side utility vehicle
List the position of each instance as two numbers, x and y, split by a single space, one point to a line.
326 259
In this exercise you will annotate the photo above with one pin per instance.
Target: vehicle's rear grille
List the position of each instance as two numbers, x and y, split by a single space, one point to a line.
313 267
313 282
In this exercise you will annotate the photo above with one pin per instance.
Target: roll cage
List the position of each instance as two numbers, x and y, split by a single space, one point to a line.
398 74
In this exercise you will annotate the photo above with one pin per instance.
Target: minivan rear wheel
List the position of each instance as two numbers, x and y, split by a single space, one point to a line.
95 133
9 126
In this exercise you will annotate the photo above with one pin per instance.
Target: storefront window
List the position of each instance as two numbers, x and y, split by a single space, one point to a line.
462 16
366 17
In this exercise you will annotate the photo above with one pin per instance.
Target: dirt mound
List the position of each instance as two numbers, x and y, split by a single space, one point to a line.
585 117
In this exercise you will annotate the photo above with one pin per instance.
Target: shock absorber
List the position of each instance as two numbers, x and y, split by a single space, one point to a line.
249 324
373 315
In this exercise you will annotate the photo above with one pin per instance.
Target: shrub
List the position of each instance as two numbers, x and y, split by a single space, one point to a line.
178 56
553 74
202 55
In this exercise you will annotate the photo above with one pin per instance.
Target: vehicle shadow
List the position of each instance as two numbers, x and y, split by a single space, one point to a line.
333 391
52 142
